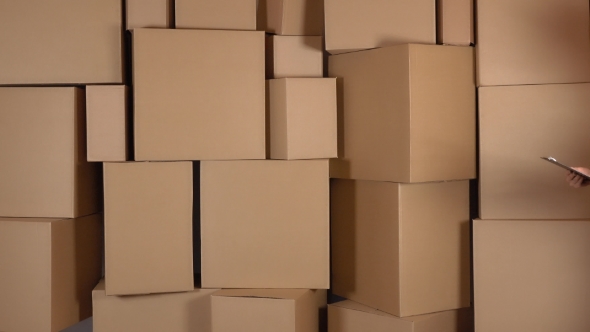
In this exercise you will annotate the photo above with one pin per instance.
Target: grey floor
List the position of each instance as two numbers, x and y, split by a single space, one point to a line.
83 326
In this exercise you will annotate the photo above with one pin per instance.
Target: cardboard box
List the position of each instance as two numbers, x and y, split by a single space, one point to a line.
303 118
531 275
518 125
455 24
353 25
149 14
408 114
48 268
107 123
148 227
217 14
173 312
260 310
275 214
523 42
291 17
294 56
43 165
198 94
61 42
401 248
349 316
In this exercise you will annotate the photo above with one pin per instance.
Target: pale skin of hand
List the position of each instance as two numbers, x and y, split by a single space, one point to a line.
577 181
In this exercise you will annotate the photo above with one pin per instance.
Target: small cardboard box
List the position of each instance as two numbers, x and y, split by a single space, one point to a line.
148 227
217 14
291 17
265 224
267 310
401 248
48 268
455 23
408 114
303 118
149 14
294 56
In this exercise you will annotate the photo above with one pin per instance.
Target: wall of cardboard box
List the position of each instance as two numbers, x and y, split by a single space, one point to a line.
242 178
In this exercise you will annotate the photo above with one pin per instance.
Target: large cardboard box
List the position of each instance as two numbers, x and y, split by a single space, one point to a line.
268 310
455 23
217 14
294 56
518 125
401 248
149 14
148 227
349 316
61 42
407 114
531 275
173 312
291 17
43 168
198 94
532 42
48 268
265 224
353 25
302 117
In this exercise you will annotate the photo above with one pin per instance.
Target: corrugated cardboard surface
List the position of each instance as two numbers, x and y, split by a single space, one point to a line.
217 14
520 124
43 165
174 312
149 13
408 113
455 23
353 25
303 118
531 275
265 224
294 56
61 41
291 17
532 42
148 227
401 248
199 94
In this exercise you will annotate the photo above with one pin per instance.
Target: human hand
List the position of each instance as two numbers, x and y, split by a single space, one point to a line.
575 180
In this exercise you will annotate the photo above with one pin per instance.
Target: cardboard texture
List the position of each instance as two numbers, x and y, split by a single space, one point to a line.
407 114
217 14
455 23
294 56
198 94
267 310
531 275
353 25
173 312
518 125
107 119
291 17
148 227
532 42
265 224
401 248
149 14
303 118
43 165
61 42
349 316
48 268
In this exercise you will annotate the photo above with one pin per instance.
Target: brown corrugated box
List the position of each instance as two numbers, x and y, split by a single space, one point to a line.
455 23
517 126
291 17
531 275
216 14
302 116
61 42
349 316
43 165
401 248
148 227
353 25
265 224
294 56
407 114
48 268
267 310
173 312
532 42
198 94
149 13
